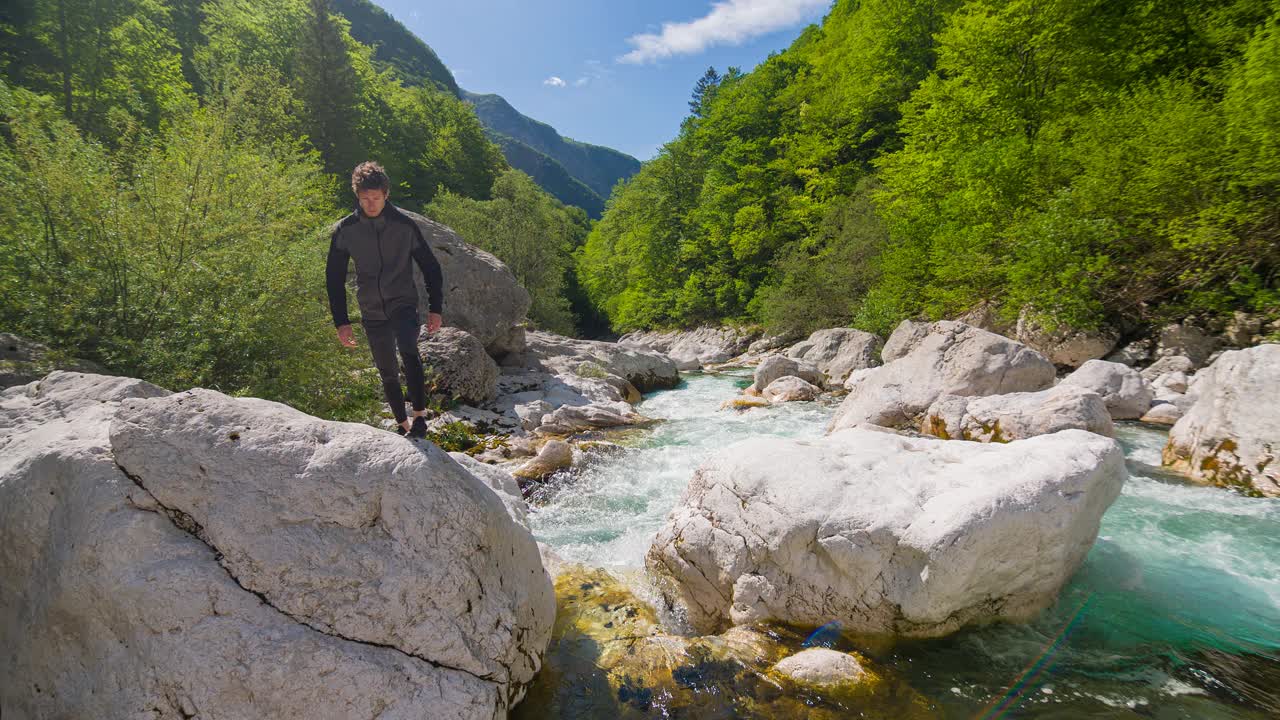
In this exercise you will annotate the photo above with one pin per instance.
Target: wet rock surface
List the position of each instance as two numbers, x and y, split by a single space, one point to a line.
610 658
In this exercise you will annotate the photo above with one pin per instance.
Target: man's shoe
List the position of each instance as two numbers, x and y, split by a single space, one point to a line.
419 429
400 430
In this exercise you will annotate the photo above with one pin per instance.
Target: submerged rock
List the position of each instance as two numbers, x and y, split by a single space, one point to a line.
1231 435
744 403
200 555
822 667
888 535
610 658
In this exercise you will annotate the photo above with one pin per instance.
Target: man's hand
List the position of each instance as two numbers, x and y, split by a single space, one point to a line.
345 336
433 322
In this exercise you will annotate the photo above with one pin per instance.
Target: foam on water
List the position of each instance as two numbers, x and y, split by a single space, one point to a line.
608 515
1182 575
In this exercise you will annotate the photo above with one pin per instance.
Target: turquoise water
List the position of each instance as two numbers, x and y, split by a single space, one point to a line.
1175 613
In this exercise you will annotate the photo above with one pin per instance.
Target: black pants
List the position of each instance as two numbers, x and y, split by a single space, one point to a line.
399 332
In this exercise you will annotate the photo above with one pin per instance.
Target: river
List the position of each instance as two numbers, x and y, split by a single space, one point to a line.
1175 613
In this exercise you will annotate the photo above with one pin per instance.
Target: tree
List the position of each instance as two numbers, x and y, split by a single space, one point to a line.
328 85
703 91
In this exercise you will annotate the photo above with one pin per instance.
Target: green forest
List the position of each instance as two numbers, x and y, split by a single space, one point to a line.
1088 162
172 168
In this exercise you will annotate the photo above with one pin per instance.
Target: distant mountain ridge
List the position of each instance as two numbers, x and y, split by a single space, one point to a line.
575 173
599 168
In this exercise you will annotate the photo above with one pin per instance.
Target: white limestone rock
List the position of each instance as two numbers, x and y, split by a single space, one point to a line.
570 419
1186 340
646 369
348 529
481 295
113 606
1166 365
1065 346
777 366
1126 393
1162 413
904 339
1017 416
836 352
1135 353
23 361
821 667
790 388
1231 434
555 455
503 484
886 534
694 349
456 362
950 358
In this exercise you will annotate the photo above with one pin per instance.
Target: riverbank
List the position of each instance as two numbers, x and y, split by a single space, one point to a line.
1179 592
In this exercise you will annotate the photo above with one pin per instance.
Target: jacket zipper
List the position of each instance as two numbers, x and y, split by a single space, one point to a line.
377 233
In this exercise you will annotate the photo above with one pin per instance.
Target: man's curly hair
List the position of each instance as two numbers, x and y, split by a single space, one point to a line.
369 175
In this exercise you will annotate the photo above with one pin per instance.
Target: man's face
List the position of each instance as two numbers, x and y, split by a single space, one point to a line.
372 201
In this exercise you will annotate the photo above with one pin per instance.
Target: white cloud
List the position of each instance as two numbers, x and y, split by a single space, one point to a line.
554 81
730 22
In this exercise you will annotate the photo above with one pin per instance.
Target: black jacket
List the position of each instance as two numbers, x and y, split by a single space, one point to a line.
384 249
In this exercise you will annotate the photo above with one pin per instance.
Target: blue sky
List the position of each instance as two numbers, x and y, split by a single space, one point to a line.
608 72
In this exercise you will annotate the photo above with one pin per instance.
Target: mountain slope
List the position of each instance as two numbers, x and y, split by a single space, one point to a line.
599 168
394 45
549 175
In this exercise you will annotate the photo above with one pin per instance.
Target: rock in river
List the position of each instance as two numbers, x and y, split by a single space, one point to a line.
888 535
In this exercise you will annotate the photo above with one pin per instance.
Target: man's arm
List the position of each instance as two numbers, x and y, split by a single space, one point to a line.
335 275
430 271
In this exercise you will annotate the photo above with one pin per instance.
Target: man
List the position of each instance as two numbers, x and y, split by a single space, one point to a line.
385 242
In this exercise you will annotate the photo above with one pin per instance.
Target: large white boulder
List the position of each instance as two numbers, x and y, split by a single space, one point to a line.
481 295
347 528
1017 416
886 534
943 358
1127 394
236 558
1231 434
836 352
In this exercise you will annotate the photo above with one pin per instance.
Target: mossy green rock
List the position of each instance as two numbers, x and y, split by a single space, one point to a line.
610 658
